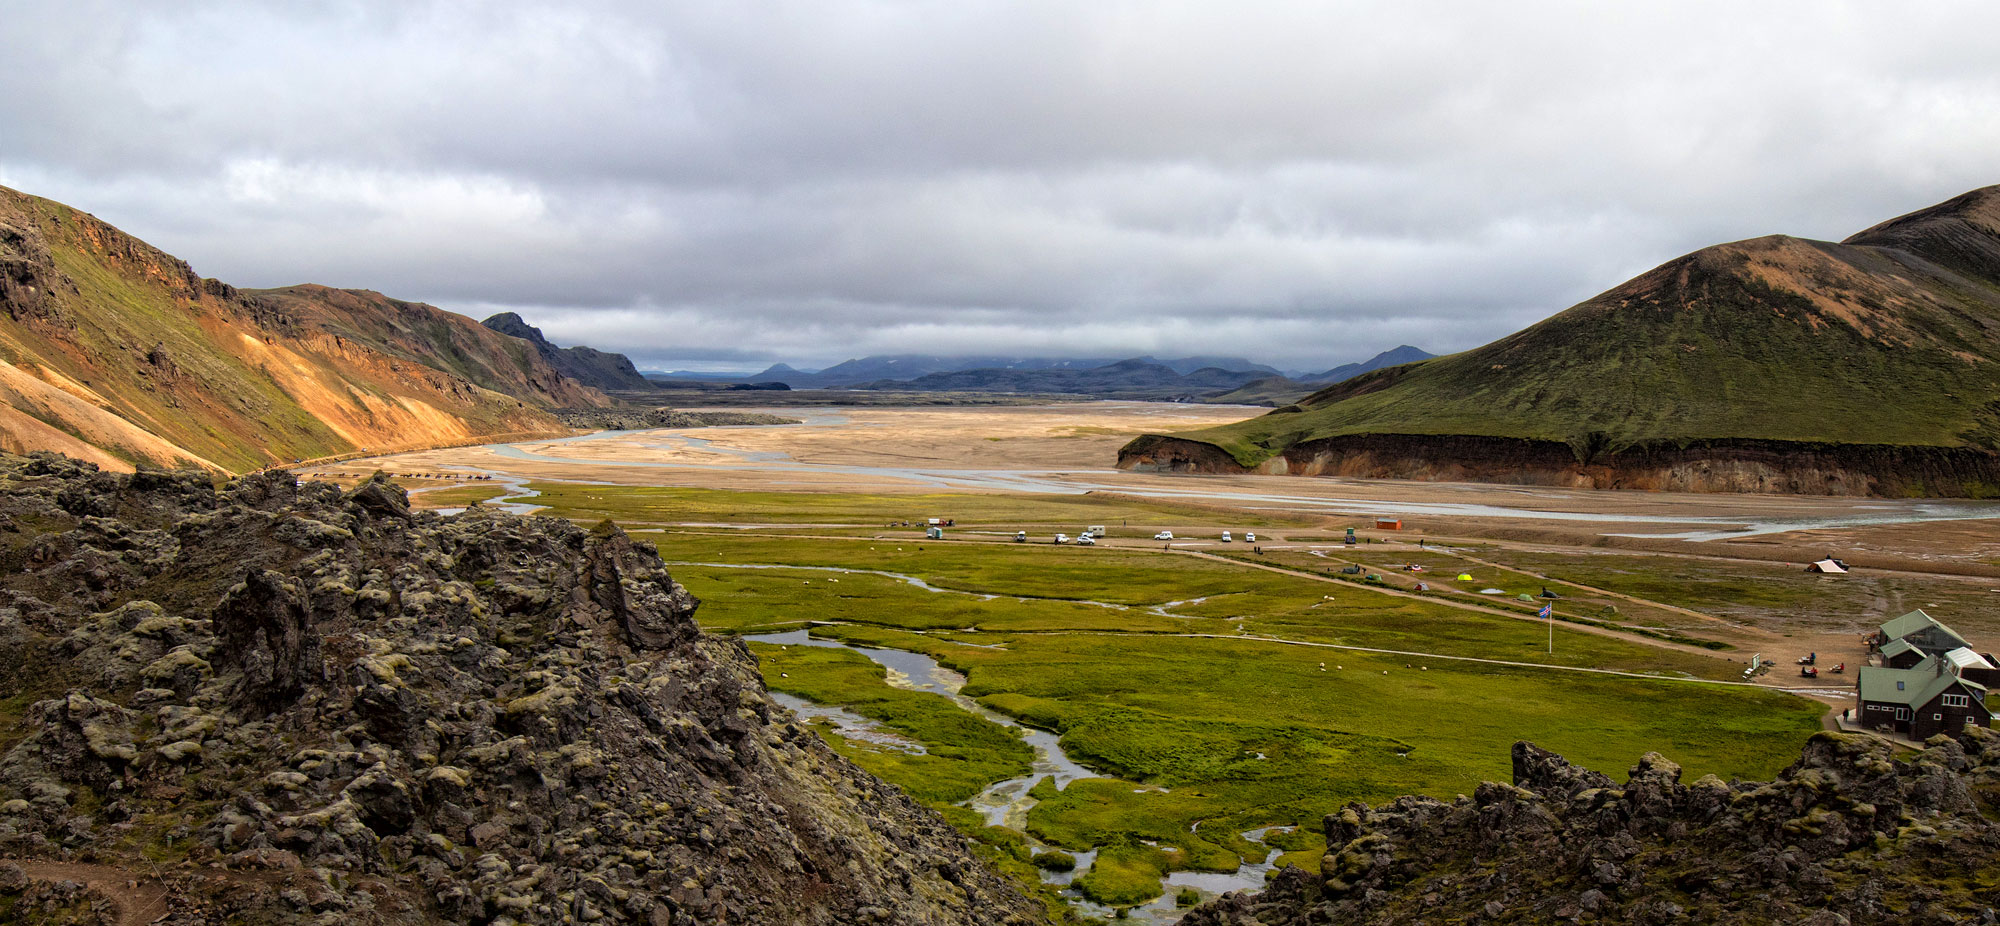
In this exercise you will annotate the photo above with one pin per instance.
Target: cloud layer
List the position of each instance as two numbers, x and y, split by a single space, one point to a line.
733 184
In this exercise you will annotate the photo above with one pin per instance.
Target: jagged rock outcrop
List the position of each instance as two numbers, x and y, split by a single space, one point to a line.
280 703
1850 834
587 365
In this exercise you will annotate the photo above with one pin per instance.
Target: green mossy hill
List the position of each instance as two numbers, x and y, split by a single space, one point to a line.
1772 346
116 352
288 704
1851 833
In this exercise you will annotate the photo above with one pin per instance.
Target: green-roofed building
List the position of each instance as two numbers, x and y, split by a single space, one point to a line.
1919 702
1901 654
1924 634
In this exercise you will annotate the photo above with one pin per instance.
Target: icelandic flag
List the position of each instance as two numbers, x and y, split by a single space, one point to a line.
1548 610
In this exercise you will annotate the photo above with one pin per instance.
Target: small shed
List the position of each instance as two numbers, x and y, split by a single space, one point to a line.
1829 566
1388 524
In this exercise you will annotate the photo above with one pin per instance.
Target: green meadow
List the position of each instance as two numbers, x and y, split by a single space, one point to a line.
1213 696
1044 588
633 505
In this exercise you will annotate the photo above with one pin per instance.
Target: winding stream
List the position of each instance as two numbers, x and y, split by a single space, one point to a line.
1006 803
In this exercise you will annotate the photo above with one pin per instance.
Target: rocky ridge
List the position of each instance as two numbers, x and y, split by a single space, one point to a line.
1850 834
281 703
587 365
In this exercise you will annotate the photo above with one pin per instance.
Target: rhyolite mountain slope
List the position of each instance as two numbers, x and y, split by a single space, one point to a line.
277 703
1851 835
1870 366
116 352
586 365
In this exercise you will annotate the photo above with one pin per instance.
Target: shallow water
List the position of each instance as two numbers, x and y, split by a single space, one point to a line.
1076 482
1007 803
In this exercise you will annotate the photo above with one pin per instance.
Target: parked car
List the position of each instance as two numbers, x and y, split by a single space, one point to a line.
1020 536
1249 538
1225 537
1086 540
1062 538
1164 535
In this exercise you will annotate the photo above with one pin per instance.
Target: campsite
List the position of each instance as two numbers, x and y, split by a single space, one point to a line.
1375 639
1231 687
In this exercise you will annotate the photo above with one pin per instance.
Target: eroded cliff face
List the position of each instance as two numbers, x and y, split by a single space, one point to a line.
282 703
1850 834
1779 467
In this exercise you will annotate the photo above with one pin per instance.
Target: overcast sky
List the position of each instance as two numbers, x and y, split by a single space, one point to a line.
722 185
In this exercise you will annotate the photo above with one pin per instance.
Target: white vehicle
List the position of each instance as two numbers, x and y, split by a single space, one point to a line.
1062 538
1095 530
1225 536
1249 538
1164 535
1086 540
1020 536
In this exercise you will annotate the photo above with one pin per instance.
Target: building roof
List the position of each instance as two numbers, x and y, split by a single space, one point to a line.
1964 658
1910 623
1898 647
1919 684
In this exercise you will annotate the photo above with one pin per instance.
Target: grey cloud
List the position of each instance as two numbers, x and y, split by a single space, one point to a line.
1299 183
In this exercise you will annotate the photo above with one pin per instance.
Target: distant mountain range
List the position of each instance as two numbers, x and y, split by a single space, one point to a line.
1776 364
912 367
1201 378
1387 358
1133 379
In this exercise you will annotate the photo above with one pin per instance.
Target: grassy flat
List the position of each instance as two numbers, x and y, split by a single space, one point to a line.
636 505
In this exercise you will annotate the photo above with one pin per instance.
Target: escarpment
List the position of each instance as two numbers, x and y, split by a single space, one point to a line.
280 703
1781 467
1850 834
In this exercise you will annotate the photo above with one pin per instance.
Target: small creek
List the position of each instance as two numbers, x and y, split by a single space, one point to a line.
1006 803
516 486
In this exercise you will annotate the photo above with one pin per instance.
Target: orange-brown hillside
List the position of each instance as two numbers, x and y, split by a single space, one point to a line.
116 352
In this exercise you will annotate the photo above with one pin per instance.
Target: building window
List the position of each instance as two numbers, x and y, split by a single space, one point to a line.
1937 716
1902 713
1955 700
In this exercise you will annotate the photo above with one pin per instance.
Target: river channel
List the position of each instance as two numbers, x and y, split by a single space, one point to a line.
1079 481
1007 803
